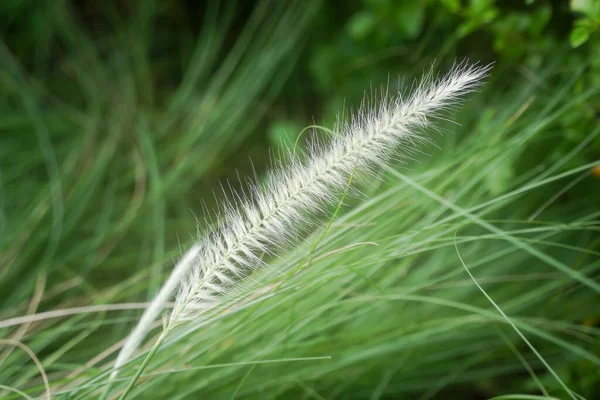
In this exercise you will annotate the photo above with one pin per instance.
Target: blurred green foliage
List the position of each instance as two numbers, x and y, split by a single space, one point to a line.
378 36
587 22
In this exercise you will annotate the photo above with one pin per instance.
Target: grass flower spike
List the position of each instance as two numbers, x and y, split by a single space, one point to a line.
268 219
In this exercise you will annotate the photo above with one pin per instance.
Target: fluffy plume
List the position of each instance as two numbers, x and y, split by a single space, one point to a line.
269 217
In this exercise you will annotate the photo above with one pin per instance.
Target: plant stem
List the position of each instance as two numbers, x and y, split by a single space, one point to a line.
141 369
154 309
107 390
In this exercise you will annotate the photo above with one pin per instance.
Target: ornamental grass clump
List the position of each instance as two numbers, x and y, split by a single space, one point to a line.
273 215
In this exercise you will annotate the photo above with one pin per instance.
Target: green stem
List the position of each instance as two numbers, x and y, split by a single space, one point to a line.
107 390
140 370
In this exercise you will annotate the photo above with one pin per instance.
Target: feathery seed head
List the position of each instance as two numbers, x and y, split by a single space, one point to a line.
269 218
